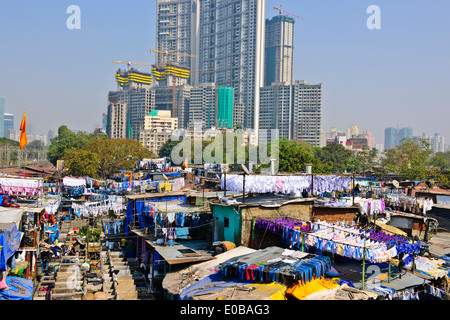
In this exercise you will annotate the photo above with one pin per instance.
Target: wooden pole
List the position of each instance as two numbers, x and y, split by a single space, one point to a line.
243 190
353 201
389 266
364 265
224 183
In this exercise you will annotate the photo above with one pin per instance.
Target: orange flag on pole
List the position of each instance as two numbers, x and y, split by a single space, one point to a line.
23 134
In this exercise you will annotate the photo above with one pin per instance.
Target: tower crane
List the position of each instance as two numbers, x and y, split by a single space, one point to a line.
130 63
280 10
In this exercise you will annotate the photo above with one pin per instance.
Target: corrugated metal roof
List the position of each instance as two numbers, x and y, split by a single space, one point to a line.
439 244
352 271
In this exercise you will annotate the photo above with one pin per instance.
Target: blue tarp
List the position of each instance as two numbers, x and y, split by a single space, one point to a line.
129 218
182 233
9 241
18 289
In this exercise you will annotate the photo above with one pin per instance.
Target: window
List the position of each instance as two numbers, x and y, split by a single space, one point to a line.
226 222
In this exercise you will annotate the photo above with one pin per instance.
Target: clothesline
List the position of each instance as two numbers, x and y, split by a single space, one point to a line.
285 184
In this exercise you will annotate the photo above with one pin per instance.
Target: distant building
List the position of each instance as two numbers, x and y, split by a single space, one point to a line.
41 137
279 50
202 105
231 50
30 129
353 131
359 142
104 121
134 92
154 139
50 135
160 119
438 143
177 29
8 124
117 120
99 131
307 112
390 138
294 110
404 133
276 111
393 136
238 115
158 128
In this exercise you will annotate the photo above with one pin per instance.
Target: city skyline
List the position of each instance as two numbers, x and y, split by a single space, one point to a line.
395 76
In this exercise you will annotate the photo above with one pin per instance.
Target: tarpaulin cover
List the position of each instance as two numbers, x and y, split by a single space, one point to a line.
300 291
18 289
8 215
209 284
129 218
213 286
9 241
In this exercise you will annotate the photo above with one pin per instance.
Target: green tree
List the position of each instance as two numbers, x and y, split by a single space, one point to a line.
82 163
336 154
66 140
35 144
116 154
293 155
410 159
167 147
441 160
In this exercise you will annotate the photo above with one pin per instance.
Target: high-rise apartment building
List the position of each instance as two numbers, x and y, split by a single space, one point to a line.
238 115
276 111
202 105
438 143
51 134
294 110
279 51
404 133
390 138
117 119
353 131
394 136
231 50
307 112
8 125
135 92
177 30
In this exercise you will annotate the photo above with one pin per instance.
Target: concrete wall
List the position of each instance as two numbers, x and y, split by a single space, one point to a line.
333 215
300 211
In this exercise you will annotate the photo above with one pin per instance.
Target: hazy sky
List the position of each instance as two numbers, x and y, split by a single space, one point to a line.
396 76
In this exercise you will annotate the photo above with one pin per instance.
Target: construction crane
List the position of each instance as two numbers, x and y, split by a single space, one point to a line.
130 63
174 80
280 10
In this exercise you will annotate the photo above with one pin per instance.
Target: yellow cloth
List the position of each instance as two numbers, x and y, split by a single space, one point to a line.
274 290
300 291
